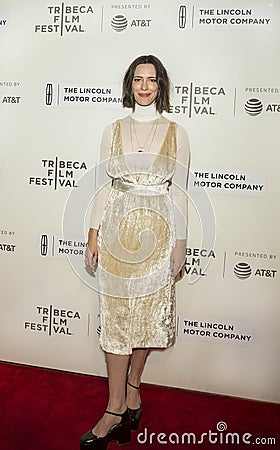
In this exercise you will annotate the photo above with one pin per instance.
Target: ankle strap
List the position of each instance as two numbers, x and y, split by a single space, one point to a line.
132 385
115 414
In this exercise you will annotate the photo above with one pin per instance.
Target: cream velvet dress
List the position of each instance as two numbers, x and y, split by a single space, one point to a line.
139 223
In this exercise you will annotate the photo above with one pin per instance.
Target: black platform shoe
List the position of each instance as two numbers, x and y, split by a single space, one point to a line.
120 433
135 414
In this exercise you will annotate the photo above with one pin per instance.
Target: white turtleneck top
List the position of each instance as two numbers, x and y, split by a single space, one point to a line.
145 113
140 130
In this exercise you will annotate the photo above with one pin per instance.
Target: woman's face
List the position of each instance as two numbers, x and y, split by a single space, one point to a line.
144 84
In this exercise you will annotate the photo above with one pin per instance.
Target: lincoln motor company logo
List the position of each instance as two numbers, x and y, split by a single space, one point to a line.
49 94
182 16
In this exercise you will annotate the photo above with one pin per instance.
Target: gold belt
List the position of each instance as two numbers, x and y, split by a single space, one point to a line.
141 189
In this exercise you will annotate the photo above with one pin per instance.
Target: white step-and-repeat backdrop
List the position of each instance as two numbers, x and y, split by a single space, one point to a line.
61 71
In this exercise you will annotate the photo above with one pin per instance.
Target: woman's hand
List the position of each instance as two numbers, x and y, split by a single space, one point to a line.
178 257
91 253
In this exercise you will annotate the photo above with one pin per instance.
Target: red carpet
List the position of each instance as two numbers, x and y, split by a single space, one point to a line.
43 409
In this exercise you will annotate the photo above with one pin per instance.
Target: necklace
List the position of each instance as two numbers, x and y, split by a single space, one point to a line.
141 148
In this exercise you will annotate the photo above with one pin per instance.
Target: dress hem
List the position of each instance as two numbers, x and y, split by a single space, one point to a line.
150 347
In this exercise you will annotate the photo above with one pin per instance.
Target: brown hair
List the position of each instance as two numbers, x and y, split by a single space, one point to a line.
162 99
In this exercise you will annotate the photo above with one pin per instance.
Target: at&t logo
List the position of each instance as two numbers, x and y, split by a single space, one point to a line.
254 107
11 99
243 270
120 23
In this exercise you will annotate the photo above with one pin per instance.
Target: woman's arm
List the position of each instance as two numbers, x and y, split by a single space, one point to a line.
180 201
99 202
102 181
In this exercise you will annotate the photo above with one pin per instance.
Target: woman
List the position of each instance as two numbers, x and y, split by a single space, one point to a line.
138 236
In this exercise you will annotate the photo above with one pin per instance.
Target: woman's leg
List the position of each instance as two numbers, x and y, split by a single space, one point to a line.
117 366
137 364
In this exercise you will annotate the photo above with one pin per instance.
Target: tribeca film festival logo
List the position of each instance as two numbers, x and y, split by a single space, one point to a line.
58 173
194 256
65 19
255 106
195 100
221 436
53 321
